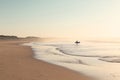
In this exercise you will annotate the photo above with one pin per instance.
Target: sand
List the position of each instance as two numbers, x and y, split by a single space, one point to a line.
17 63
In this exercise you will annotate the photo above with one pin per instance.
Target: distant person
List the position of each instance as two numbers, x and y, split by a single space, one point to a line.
77 42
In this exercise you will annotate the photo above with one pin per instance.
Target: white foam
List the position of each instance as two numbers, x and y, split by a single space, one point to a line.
90 59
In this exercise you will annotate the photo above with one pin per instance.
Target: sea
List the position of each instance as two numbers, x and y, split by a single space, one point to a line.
97 59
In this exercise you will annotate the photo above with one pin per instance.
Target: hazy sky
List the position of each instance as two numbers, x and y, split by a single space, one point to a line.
60 18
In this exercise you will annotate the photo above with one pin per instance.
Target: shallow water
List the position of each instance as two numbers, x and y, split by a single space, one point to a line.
95 59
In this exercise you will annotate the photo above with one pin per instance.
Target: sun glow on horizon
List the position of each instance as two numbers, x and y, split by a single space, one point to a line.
64 18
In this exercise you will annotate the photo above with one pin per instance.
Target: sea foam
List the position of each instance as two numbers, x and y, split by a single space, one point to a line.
98 60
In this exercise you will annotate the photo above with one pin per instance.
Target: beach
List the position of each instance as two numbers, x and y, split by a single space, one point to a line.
17 63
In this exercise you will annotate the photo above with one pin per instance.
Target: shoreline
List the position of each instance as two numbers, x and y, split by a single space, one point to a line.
17 63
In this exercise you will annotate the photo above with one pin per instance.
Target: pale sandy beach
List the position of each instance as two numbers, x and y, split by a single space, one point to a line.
17 63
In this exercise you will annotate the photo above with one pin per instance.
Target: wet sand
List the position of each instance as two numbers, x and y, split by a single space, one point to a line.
17 63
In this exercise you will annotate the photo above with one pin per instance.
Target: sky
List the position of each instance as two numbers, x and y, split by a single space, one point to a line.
60 18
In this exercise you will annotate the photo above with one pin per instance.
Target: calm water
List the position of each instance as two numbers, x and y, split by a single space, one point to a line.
95 59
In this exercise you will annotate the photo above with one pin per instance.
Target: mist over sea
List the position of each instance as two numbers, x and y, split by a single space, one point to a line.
96 58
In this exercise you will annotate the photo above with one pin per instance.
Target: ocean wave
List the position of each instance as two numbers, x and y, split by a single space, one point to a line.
114 59
92 61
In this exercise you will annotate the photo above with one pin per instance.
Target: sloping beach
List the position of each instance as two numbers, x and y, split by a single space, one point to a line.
17 63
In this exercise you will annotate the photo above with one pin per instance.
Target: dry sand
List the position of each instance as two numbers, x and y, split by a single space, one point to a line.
17 63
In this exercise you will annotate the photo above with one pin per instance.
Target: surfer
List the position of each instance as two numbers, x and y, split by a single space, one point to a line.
77 42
